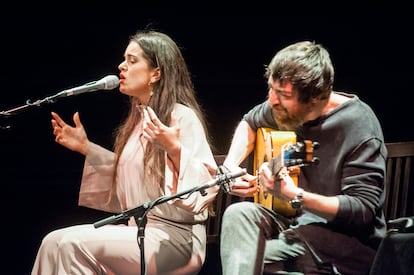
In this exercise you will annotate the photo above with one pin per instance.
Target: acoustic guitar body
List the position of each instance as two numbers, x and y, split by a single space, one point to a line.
268 147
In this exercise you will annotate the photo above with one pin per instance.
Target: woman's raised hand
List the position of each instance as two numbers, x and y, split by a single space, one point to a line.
74 138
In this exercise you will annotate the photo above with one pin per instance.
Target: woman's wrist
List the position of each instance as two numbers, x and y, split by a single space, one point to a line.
84 148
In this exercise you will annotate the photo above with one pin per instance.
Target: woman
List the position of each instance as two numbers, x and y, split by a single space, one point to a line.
161 149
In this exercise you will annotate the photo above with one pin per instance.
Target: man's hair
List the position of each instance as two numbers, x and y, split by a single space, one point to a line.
307 66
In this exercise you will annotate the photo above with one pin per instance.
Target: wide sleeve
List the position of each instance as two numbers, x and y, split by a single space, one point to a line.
97 178
197 164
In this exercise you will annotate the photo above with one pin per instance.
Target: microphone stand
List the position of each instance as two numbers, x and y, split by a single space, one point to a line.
37 103
140 212
107 83
49 99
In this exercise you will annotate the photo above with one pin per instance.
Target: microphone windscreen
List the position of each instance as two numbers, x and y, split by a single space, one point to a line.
110 82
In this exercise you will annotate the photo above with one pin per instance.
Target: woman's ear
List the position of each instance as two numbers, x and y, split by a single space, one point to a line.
156 75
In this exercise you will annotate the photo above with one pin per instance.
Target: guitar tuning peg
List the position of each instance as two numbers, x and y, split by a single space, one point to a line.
299 146
315 145
315 161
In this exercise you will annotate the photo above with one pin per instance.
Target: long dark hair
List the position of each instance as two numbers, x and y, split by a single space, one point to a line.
174 86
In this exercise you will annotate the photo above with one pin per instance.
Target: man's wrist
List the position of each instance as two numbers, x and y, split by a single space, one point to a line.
297 201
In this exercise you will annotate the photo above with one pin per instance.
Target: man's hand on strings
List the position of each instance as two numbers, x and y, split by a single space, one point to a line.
277 185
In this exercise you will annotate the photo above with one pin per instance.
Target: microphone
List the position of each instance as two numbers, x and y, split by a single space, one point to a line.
109 82
223 179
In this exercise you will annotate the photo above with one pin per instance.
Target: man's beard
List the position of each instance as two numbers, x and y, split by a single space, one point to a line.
286 121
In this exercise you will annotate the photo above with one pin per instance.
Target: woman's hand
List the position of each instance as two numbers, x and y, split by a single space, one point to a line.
73 138
166 138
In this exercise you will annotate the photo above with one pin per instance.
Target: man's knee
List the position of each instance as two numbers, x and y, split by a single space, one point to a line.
237 212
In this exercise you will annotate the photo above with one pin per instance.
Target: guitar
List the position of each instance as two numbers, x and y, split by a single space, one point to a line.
281 150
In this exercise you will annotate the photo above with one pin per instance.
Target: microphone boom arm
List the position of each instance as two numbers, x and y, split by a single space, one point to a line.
107 83
144 208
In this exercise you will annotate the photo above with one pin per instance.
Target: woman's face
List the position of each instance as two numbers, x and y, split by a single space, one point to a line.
136 76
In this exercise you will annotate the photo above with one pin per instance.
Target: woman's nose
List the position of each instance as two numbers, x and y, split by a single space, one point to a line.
121 66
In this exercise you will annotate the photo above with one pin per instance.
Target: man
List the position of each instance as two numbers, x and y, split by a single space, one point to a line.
339 220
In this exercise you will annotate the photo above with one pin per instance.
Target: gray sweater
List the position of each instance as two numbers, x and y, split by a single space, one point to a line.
352 161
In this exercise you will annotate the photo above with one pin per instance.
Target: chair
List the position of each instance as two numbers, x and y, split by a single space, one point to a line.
213 264
222 200
399 186
396 252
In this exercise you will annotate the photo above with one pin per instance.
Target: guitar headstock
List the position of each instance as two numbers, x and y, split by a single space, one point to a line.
295 155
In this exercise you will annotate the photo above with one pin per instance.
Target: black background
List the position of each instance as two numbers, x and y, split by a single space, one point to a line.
46 49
